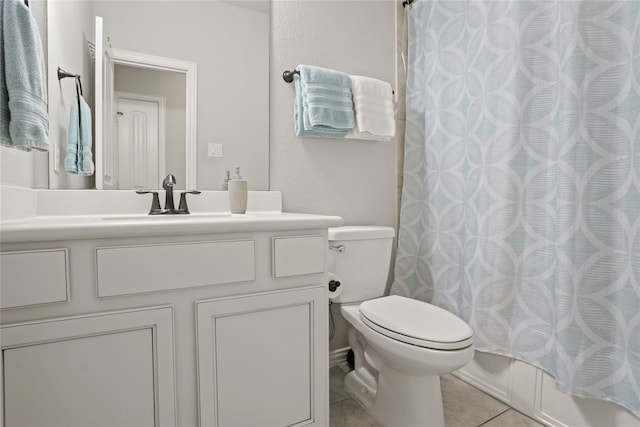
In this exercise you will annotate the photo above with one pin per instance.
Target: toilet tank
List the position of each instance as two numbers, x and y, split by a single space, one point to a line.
360 256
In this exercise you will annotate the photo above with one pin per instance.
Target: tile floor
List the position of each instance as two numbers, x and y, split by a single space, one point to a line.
464 406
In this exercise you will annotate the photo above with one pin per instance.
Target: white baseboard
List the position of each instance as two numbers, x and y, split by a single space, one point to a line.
532 392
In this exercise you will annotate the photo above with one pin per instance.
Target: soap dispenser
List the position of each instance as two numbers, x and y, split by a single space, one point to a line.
238 194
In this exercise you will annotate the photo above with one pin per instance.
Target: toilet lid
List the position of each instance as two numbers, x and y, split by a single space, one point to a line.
416 322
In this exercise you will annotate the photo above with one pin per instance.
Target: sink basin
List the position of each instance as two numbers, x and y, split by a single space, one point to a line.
146 217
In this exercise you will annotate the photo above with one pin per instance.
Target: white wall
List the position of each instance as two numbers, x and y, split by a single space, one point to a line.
353 179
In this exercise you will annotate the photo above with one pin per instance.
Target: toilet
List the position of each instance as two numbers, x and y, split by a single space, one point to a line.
401 346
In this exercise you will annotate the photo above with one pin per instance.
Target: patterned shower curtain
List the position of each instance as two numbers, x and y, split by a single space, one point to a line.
521 202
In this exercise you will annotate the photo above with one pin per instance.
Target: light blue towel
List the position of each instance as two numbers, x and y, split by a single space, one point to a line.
79 159
298 118
323 106
24 122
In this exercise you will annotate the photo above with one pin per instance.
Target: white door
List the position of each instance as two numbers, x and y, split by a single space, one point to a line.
140 144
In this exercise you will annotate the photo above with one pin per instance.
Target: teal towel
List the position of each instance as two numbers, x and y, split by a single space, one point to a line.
24 122
323 106
79 159
298 119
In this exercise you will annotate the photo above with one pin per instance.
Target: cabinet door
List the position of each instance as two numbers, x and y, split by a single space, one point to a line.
262 359
107 369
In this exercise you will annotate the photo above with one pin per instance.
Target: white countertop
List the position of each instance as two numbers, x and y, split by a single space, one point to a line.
72 227
48 215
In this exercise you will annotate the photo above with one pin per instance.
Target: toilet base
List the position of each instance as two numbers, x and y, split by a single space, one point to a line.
397 399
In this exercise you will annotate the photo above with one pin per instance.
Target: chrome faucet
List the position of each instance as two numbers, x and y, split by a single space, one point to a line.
168 184
169 207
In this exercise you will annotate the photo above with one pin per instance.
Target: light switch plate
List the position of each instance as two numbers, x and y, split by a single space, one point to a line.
214 149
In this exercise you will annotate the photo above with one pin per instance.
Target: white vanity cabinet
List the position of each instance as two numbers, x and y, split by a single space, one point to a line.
209 329
107 369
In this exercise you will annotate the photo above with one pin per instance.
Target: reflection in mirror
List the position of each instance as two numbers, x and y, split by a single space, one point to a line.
148 100
229 42
149 104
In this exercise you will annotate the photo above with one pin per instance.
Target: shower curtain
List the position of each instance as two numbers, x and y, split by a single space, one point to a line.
520 208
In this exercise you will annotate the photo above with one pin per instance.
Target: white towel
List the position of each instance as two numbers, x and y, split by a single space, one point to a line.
373 108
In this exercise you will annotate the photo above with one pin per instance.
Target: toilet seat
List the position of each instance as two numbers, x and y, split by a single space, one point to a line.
417 323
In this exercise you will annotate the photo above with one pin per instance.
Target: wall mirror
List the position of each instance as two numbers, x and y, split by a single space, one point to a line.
226 45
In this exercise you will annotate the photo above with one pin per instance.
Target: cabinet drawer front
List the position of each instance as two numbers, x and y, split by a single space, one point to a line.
293 256
33 277
138 269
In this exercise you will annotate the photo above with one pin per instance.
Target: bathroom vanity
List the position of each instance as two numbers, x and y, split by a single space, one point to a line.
210 319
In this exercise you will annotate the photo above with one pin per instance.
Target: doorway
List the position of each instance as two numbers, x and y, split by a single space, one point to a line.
140 141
